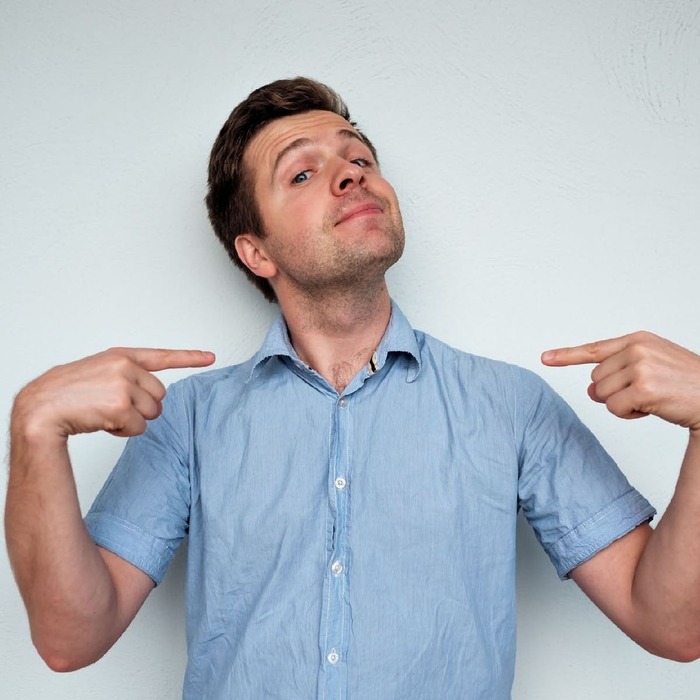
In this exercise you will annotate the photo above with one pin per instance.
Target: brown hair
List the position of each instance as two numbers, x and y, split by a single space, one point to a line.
231 196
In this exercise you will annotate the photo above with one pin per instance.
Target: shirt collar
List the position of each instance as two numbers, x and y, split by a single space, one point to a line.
399 338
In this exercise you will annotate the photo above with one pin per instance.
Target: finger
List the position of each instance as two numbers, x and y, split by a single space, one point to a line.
611 365
132 424
145 404
593 395
155 359
586 353
612 384
622 405
149 383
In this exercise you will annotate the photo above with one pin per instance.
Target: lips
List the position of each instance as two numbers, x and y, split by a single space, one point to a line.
366 208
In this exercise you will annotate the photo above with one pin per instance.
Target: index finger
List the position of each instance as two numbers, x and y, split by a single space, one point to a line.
155 359
584 354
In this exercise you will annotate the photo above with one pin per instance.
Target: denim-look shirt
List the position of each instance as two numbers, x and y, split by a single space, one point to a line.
359 546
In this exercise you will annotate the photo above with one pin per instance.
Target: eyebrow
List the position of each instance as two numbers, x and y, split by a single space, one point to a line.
303 141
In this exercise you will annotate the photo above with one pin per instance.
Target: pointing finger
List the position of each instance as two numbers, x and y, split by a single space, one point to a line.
156 359
585 354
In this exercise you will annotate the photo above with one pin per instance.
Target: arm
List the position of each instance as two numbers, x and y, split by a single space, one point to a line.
648 582
79 597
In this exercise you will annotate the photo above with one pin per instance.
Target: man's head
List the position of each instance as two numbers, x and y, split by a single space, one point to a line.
231 200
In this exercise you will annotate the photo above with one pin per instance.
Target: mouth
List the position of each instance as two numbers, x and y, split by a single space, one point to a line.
360 210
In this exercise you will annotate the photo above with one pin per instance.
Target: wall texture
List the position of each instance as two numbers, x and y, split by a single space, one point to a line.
547 156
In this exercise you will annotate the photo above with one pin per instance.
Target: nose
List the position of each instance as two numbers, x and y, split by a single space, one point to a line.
347 177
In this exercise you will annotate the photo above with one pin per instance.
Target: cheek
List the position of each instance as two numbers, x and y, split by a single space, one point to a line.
297 217
390 196
306 209
278 211
383 188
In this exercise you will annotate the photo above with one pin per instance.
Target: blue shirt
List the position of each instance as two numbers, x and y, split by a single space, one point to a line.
359 546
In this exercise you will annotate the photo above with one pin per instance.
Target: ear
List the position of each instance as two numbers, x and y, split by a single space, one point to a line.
251 251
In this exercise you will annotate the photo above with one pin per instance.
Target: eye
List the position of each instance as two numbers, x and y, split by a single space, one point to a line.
362 162
303 176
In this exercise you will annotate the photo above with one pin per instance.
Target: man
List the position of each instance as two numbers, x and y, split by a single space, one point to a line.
350 493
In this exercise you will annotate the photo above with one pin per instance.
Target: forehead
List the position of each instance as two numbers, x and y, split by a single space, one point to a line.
273 138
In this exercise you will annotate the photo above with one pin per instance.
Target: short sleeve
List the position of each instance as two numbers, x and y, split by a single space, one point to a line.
570 490
141 514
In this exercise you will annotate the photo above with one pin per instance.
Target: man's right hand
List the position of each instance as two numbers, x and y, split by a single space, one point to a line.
112 391
79 598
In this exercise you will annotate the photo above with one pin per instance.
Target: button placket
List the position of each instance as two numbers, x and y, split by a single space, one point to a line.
335 617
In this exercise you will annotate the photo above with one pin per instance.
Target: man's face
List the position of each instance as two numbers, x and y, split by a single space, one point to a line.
331 220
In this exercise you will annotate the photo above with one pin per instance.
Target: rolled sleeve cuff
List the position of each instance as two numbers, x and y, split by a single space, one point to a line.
126 540
610 524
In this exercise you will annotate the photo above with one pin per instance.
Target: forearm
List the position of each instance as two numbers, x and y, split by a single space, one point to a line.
666 585
66 586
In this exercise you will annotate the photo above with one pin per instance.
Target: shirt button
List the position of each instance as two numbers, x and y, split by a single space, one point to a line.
337 568
340 483
333 657
343 402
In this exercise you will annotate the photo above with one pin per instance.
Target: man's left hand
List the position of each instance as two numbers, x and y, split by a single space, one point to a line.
639 374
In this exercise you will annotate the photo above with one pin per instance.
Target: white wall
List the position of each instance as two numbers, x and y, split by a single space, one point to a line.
547 155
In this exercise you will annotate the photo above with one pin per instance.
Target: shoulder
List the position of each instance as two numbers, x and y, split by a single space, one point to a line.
438 356
490 387
212 384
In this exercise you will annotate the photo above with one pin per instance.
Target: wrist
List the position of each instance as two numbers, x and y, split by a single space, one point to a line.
30 422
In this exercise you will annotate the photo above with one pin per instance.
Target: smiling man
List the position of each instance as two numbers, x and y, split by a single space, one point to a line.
350 493
330 227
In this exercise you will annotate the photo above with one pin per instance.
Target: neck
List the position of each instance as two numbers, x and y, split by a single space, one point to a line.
337 334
